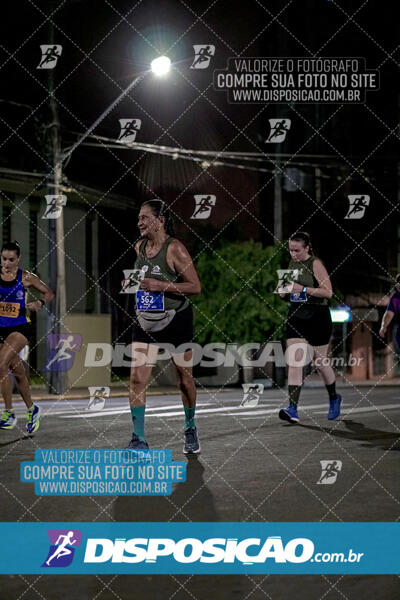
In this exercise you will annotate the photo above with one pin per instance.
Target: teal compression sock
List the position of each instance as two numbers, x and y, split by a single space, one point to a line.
189 417
137 413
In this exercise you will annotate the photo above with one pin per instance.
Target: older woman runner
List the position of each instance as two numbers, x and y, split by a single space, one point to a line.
308 321
164 315
15 331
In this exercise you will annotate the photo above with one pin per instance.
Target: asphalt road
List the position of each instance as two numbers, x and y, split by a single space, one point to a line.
253 467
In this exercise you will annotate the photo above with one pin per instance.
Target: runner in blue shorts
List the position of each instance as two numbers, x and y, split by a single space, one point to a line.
15 331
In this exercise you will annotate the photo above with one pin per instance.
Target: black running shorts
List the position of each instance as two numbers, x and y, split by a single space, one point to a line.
179 331
24 328
313 323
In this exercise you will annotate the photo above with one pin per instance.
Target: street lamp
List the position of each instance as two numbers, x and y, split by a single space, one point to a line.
160 66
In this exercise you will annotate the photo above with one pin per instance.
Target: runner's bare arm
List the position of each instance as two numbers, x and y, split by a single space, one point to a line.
178 258
30 280
386 320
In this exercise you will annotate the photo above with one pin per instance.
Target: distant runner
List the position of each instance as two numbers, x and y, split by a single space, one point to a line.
392 314
308 322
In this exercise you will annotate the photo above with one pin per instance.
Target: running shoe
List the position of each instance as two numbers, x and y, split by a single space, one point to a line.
289 414
192 445
32 419
8 419
137 444
334 407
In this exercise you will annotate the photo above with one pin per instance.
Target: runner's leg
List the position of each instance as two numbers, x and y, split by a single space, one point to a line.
143 356
9 351
183 365
6 389
328 375
18 370
296 361
296 357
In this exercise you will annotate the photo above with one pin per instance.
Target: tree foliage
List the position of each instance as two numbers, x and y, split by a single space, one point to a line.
237 303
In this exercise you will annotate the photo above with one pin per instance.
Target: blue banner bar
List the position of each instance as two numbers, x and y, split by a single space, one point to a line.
214 548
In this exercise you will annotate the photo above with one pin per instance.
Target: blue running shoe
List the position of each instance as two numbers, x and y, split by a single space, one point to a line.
334 407
289 414
137 444
8 419
192 445
32 419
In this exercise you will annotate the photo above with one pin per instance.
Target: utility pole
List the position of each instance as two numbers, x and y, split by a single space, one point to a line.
56 229
277 202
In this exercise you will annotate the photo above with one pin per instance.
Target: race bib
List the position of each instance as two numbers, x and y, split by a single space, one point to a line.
9 309
298 297
149 300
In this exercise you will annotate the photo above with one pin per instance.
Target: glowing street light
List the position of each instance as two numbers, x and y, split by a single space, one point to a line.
340 314
161 65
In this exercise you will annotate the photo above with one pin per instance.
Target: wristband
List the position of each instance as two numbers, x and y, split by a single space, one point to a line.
304 289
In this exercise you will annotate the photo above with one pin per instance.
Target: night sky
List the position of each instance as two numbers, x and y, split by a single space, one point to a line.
105 44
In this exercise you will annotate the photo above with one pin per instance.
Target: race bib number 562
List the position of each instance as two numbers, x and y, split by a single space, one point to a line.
149 300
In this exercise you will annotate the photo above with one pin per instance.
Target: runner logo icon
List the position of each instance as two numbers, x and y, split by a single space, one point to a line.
204 205
54 206
98 397
62 351
330 471
63 543
286 277
132 279
129 129
50 55
357 206
251 394
202 56
279 129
